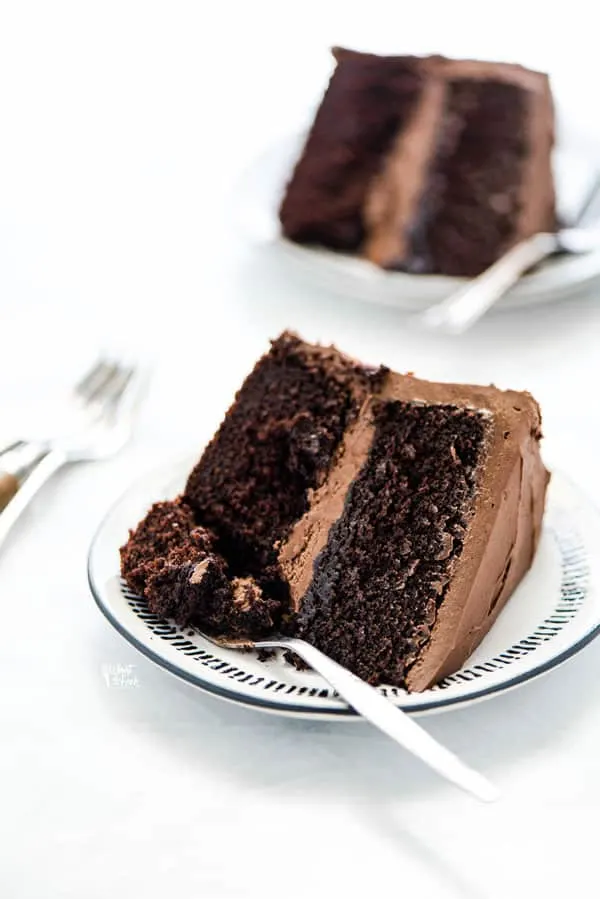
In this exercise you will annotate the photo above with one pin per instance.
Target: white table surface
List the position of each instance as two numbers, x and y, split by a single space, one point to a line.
124 126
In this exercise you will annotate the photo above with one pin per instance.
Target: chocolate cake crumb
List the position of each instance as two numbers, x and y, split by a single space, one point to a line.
166 526
171 561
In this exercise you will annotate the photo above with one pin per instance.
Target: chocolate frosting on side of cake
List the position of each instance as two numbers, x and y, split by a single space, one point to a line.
502 534
538 196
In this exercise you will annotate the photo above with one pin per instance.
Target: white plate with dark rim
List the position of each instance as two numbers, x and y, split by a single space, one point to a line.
553 614
254 213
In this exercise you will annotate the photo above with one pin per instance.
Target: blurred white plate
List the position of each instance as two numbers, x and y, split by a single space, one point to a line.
255 203
554 613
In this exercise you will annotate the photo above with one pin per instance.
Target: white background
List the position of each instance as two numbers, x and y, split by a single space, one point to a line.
123 129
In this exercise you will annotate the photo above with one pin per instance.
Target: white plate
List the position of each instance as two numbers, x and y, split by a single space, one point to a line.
255 204
552 615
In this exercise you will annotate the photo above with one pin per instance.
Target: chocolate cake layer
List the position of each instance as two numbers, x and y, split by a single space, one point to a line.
368 100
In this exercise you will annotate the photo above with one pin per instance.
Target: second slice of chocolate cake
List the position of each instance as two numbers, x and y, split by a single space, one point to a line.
384 519
427 165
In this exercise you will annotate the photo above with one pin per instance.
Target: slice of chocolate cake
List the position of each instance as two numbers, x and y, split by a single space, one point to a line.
385 519
429 165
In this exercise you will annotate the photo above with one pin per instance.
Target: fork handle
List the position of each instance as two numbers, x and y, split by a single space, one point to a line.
9 484
16 464
43 471
390 719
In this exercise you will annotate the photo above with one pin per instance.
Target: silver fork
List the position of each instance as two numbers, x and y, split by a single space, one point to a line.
97 423
373 706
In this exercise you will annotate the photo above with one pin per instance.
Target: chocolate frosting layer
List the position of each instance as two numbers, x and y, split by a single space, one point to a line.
504 525
309 536
394 195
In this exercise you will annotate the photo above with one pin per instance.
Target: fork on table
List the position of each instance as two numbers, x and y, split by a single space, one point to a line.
96 423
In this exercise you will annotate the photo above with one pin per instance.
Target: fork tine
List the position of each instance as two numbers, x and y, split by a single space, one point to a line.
114 388
118 384
10 447
133 391
94 380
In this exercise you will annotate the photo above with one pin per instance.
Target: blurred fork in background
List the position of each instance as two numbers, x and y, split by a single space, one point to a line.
96 422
